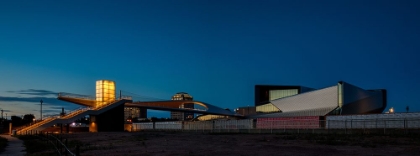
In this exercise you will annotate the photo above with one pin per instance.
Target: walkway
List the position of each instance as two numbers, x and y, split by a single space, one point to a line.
14 146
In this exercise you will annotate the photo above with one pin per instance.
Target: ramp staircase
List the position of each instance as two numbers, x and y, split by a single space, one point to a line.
28 128
52 118
70 117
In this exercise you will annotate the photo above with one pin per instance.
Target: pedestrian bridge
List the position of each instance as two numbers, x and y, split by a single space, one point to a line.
106 111
168 105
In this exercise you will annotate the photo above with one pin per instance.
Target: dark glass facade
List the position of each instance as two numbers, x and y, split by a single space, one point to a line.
134 112
266 93
182 96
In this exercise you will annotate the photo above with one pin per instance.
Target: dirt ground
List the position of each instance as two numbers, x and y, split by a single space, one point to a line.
205 144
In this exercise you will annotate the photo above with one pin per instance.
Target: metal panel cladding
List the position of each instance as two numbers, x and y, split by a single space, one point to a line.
323 98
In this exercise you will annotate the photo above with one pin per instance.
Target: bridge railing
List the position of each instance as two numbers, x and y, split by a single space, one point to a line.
89 97
78 96
59 145
125 98
24 130
75 112
53 117
151 104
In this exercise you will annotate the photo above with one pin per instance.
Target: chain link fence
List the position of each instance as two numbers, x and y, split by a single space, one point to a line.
281 126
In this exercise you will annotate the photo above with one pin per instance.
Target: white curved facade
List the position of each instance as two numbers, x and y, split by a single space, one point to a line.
342 98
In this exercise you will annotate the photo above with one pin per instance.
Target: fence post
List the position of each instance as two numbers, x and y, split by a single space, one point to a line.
65 151
298 128
271 127
328 125
77 150
284 126
56 144
228 127
345 126
364 125
384 126
61 147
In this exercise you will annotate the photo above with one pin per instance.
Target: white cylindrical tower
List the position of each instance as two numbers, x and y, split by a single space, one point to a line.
105 92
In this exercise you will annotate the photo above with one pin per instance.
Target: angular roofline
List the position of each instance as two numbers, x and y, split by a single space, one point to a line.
291 86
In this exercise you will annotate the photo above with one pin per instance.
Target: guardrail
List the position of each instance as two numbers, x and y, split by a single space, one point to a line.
72 95
51 118
89 97
57 142
63 147
35 125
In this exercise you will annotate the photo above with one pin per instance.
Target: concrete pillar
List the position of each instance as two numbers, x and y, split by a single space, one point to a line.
10 128
93 126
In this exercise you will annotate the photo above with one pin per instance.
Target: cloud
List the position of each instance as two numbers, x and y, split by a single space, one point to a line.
35 101
37 92
28 102
26 99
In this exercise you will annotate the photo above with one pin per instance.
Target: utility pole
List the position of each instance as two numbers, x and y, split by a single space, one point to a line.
41 108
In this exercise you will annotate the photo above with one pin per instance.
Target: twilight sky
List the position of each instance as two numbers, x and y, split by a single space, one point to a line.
216 50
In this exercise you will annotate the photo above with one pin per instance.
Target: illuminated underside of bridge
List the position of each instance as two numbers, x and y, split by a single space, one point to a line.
105 95
175 106
159 105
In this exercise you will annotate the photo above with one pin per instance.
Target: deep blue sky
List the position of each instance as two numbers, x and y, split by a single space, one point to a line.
215 50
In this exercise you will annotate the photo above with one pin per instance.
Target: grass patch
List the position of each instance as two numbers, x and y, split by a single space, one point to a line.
35 144
369 140
227 133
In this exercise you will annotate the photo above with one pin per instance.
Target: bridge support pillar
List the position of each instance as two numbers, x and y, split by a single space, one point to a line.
109 121
93 127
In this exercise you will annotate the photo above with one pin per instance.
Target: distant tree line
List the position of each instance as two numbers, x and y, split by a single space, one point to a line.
16 122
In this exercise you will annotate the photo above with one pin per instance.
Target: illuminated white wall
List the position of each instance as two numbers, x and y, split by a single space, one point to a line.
322 98
105 92
277 94
267 108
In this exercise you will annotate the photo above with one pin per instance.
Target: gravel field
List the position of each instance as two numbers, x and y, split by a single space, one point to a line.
204 144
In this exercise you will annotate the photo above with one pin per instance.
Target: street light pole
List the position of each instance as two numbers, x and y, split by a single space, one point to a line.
41 108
